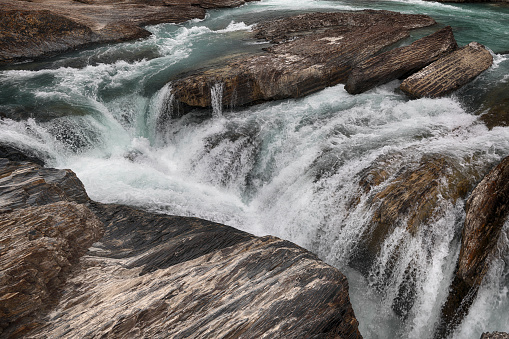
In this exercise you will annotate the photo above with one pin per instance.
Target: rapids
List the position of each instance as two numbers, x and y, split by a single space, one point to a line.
288 168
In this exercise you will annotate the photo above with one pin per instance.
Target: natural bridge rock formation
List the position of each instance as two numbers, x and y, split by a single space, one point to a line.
400 62
449 73
314 51
149 275
34 29
487 210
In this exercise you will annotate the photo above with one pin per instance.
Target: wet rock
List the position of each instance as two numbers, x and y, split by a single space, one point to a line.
39 246
487 210
495 108
495 335
449 73
400 62
35 29
302 63
14 154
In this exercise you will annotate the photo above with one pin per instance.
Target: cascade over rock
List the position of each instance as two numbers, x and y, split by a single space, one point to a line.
150 275
314 51
400 62
37 29
449 73
487 210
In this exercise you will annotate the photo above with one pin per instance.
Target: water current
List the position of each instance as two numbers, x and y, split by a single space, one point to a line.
288 168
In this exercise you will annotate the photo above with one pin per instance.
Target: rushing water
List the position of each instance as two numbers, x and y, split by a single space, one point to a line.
288 168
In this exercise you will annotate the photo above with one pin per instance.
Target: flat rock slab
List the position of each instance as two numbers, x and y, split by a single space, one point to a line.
314 51
400 62
449 73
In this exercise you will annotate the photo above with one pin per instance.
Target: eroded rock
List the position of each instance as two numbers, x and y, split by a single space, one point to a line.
487 210
400 62
322 50
35 29
449 73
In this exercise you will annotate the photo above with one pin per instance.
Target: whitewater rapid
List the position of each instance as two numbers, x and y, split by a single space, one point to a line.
288 168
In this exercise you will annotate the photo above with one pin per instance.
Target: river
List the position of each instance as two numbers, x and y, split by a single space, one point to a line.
288 168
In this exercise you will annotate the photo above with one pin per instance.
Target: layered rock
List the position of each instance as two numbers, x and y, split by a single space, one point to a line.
150 275
487 210
400 62
449 73
37 29
315 50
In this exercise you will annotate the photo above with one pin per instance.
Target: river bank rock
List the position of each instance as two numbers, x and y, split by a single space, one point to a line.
400 62
449 73
150 275
314 51
487 210
35 29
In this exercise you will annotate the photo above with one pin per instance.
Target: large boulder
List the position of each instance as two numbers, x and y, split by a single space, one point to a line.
314 51
400 62
487 210
449 73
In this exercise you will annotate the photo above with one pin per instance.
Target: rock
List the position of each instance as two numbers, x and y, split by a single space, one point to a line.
400 62
487 210
35 29
449 73
14 154
308 62
495 335
495 108
405 197
150 275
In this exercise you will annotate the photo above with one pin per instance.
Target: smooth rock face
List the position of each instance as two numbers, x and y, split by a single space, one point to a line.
487 210
35 29
322 49
449 73
149 275
400 62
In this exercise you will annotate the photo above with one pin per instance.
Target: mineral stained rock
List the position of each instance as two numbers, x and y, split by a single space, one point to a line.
400 62
315 50
148 275
35 29
449 73
487 210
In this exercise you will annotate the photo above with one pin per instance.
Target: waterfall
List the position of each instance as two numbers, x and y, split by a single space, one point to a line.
216 99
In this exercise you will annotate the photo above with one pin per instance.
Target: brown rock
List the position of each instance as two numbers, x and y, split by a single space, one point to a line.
35 29
306 64
487 209
495 335
495 108
400 62
39 246
449 73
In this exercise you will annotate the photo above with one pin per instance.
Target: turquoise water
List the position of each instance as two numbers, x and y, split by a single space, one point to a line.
100 112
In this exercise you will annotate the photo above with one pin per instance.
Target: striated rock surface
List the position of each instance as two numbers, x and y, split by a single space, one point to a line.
35 29
487 210
495 335
495 108
315 50
400 62
449 73
149 275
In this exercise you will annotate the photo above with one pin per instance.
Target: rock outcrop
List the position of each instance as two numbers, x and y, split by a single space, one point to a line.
487 210
400 62
314 51
150 275
35 29
449 73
